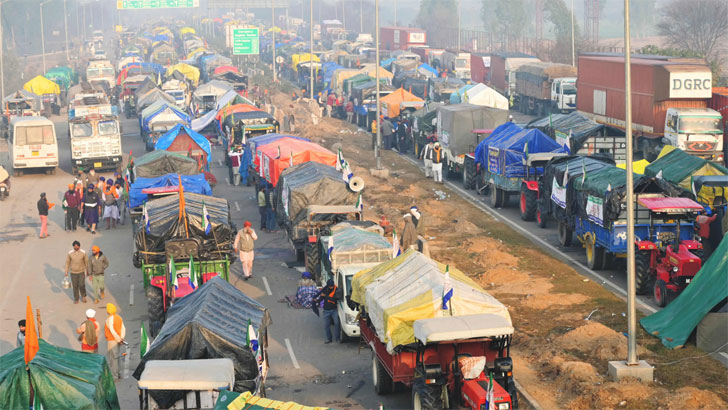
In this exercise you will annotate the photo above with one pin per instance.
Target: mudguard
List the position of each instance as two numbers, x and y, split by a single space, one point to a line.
531 185
692 244
645 245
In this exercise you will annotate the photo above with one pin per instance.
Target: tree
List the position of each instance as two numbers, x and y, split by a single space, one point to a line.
642 17
508 18
437 17
559 15
697 25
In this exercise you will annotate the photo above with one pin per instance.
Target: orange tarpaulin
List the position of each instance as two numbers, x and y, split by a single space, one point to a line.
225 111
224 69
276 156
31 336
396 98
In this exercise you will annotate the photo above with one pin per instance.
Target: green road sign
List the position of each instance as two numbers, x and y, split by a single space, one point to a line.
246 41
156 4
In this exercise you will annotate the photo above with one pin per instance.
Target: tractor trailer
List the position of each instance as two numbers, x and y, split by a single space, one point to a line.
669 102
545 88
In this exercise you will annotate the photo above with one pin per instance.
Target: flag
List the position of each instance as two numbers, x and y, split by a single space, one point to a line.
489 399
525 150
566 176
396 251
659 174
331 246
339 160
290 160
192 276
609 188
144 342
359 204
182 210
206 224
173 272
252 341
446 289
583 171
31 335
279 152
346 171
146 218
37 405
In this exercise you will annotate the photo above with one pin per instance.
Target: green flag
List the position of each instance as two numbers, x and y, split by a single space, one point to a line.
144 343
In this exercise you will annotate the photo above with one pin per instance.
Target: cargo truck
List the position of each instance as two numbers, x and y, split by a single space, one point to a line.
545 88
503 66
95 132
101 71
669 102
402 38
459 63
719 102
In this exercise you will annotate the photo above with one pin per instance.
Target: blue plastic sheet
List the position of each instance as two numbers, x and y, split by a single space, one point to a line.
506 153
166 140
191 183
502 131
250 145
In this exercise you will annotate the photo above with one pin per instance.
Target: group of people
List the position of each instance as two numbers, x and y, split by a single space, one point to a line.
396 134
433 157
266 196
80 266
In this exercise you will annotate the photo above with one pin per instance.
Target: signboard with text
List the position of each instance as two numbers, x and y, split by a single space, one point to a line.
246 41
156 4
239 4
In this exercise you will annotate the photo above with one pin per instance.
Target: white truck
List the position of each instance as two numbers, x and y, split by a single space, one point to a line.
544 88
179 91
459 63
95 133
99 71
698 131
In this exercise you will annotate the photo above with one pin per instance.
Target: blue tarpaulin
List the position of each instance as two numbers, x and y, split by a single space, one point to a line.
502 131
191 183
425 66
161 107
506 153
329 69
247 160
457 96
143 67
387 63
166 140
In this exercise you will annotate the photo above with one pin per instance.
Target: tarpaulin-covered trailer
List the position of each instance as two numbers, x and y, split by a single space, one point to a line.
161 162
280 154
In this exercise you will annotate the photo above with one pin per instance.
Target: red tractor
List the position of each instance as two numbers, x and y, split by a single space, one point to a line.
670 255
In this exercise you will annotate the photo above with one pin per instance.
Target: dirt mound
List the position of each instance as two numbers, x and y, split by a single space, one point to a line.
579 371
551 300
465 227
596 339
693 398
625 394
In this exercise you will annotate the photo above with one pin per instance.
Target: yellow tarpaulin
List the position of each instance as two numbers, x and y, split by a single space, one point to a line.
638 167
297 59
341 74
185 30
247 401
371 70
191 72
394 100
40 85
410 287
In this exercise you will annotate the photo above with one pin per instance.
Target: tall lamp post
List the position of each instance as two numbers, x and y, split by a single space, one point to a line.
273 32
378 146
65 27
310 51
42 33
2 53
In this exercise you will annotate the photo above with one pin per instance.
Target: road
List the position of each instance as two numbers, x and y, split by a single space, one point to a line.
302 367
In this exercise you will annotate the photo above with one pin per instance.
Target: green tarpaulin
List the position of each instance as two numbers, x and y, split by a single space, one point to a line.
677 165
62 379
674 323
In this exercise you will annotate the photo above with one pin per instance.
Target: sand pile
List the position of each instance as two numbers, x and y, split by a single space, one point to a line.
692 398
596 339
551 300
625 394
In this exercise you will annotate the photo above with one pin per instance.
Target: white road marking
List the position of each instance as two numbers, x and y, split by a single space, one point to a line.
131 295
219 162
267 287
290 353
237 206
621 293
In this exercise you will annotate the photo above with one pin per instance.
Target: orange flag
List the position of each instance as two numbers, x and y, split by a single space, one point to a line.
31 336
182 210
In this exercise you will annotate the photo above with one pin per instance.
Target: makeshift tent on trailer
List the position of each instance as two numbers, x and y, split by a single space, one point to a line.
247 401
278 155
191 183
190 72
455 125
250 148
60 378
679 167
152 96
354 242
674 323
182 139
158 163
40 85
394 101
457 96
503 131
212 323
165 223
483 95
571 129
410 287
507 156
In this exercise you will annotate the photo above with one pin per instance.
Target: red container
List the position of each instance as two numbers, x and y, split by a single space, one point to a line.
479 67
501 65
719 102
401 38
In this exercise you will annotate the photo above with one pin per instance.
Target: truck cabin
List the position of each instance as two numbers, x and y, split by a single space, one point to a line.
95 72
94 126
669 210
443 344
702 122
180 97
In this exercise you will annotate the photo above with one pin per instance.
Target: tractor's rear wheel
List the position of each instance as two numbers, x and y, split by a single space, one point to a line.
594 255
642 272
469 174
527 203
660 293
155 307
313 260
496 196
380 378
564 235
425 396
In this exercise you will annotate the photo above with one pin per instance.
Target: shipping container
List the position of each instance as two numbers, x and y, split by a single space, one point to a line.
479 67
401 38
502 75
719 102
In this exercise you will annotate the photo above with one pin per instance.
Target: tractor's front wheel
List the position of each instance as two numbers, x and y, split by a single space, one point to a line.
155 307
425 396
660 293
642 271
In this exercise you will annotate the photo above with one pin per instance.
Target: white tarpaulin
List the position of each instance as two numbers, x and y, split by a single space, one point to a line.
483 95
205 120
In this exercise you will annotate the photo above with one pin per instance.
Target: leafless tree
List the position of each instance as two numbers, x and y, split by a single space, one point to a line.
696 25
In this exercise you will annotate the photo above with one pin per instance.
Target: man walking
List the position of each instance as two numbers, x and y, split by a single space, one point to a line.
387 132
436 156
72 201
262 209
270 220
91 208
330 294
89 331
77 265
426 154
245 245
43 207
409 233
97 264
418 220
115 333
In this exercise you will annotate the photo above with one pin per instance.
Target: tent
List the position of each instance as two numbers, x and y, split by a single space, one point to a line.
152 96
507 156
249 402
185 30
394 100
410 287
181 139
297 59
485 96
157 163
457 96
195 184
278 155
638 167
22 100
352 238
40 85
502 131
249 152
455 125
63 76
571 129
679 167
61 379
190 72
162 108
230 97
674 323
211 323
214 88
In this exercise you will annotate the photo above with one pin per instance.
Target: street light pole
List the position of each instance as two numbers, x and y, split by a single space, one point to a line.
459 18
573 48
65 27
378 146
395 13
310 52
273 32
361 17
2 53
42 35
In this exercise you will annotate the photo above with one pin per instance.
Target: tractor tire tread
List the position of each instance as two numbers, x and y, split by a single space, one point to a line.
429 397
642 272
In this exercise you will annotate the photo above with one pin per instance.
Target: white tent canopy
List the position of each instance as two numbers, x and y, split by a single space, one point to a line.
485 96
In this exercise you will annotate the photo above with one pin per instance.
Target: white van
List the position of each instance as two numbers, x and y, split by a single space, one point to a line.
33 144
347 313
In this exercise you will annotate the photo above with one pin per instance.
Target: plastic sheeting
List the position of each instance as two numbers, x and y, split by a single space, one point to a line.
485 96
679 167
168 138
249 402
250 148
275 157
61 378
217 88
190 72
393 101
410 287
191 183
161 107
165 224
674 323
455 124
40 85
209 323
355 239
574 127
199 124
158 163
507 156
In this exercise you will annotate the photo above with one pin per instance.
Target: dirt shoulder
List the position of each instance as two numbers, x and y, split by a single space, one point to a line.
560 358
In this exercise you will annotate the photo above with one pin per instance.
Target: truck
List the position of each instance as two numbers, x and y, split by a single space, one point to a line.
503 66
545 88
719 103
457 62
479 67
95 132
332 30
101 71
402 38
447 351
179 90
670 102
